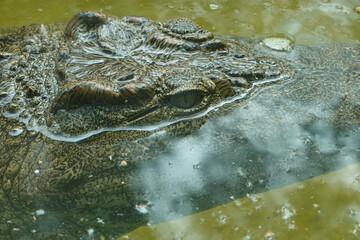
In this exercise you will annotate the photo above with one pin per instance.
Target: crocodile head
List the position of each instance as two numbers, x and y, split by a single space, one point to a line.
102 74
131 73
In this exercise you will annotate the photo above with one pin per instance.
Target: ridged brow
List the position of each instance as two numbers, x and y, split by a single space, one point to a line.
131 95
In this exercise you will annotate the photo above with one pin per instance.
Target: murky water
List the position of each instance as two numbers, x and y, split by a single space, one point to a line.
307 21
323 207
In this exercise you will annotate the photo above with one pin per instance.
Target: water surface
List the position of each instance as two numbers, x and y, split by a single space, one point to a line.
322 207
307 21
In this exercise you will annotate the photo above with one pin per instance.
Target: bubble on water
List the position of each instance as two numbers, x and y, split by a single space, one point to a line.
247 237
353 211
99 220
142 208
269 235
222 219
238 203
278 44
268 3
214 6
253 198
287 211
40 212
291 226
16 132
90 231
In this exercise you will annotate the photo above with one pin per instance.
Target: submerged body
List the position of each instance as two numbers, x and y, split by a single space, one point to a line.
110 123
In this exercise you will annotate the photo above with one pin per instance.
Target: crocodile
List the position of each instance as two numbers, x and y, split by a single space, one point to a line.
103 117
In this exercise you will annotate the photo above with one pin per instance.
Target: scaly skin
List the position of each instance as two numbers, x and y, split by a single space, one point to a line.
85 106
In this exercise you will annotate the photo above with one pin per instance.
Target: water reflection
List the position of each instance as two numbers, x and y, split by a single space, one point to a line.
244 158
324 206
280 136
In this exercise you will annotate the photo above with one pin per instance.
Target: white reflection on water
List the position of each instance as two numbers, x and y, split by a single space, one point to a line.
174 176
287 212
281 148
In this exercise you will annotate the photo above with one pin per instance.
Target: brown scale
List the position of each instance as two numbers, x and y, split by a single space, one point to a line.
97 94
223 86
85 22
183 33
118 70
183 28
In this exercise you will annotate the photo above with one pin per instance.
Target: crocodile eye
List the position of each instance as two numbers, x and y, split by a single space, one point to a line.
186 99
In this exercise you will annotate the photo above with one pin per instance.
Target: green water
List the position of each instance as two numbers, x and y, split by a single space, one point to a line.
306 21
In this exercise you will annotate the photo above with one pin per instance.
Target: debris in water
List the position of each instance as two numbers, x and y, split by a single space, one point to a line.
142 208
278 44
269 234
123 163
99 220
291 226
214 6
222 219
40 212
287 211
339 7
90 231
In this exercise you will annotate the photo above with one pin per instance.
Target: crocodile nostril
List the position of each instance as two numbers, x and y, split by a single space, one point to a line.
126 76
